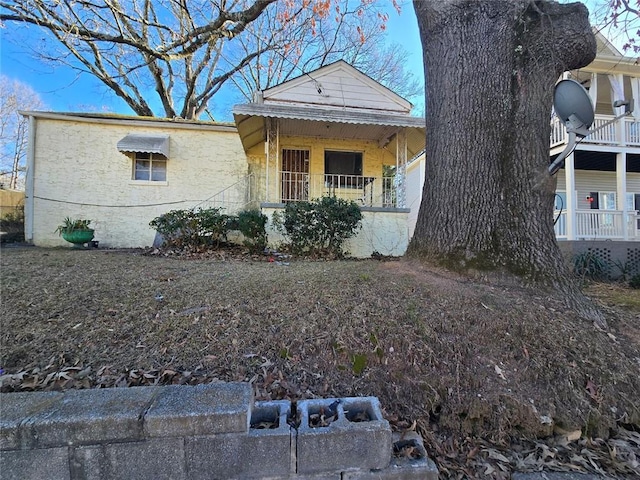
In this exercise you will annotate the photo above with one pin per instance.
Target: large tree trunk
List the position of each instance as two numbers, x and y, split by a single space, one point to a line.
490 68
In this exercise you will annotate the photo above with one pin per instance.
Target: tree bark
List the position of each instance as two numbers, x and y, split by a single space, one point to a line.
490 69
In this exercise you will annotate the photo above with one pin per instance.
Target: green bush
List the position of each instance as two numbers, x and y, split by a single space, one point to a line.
251 224
590 265
635 281
188 228
320 226
12 224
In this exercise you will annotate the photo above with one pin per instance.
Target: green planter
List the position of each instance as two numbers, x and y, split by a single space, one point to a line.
78 237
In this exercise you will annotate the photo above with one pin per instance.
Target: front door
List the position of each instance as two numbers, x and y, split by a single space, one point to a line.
295 175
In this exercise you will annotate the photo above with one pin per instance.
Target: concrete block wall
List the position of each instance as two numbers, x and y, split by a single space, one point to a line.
619 257
213 431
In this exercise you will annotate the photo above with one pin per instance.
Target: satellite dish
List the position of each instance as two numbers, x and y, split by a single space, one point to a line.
573 104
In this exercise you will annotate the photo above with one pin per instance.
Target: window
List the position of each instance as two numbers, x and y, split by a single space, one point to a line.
560 200
633 201
342 163
607 200
150 167
341 169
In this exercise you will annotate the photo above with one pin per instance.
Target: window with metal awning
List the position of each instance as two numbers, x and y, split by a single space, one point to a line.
141 143
150 154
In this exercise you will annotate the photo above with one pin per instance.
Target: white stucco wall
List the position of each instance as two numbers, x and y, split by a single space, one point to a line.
78 172
382 231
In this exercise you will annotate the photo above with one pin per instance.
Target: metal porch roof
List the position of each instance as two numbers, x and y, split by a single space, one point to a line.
319 122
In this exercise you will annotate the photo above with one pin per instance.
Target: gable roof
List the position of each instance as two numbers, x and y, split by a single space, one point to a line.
337 85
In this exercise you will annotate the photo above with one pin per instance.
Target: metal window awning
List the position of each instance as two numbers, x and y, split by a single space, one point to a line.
145 144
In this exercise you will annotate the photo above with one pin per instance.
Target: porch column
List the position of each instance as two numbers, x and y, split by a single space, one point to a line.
570 187
621 192
272 151
617 93
401 168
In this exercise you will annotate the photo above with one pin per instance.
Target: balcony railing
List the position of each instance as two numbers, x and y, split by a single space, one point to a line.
365 191
609 135
601 224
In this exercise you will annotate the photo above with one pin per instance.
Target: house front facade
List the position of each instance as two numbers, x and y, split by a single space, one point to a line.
333 131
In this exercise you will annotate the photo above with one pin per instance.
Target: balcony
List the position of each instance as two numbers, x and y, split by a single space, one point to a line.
365 191
600 224
623 132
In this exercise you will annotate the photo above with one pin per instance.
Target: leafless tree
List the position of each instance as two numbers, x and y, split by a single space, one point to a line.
487 201
354 32
179 53
14 96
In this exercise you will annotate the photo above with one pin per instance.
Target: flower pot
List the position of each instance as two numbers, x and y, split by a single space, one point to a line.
78 237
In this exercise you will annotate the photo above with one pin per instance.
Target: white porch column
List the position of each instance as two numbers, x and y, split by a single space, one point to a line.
635 93
272 151
617 93
593 89
570 187
401 168
621 191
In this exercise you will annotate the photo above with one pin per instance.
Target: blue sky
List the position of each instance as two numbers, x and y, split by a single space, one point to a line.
63 89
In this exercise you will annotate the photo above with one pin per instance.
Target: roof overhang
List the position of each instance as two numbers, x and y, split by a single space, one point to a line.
327 123
139 143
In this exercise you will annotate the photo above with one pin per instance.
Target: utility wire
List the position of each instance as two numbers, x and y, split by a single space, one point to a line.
114 206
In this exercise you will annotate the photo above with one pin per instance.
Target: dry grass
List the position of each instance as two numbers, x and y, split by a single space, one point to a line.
462 359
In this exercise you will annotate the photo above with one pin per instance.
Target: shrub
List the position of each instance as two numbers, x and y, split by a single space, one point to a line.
12 224
635 281
251 224
590 265
188 228
320 226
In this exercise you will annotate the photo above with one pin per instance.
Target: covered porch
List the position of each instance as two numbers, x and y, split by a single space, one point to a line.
302 153
598 196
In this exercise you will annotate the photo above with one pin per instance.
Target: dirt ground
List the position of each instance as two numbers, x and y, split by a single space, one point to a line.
496 378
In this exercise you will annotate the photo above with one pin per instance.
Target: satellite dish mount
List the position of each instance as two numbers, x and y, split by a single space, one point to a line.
573 106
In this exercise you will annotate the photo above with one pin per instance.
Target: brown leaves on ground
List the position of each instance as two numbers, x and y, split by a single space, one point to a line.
465 360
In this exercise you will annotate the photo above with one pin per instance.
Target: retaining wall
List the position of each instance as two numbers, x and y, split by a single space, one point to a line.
213 431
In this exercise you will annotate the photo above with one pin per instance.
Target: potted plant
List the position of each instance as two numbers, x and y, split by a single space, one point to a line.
75 231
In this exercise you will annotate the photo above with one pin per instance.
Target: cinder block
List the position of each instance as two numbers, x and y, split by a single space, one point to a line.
155 458
88 463
259 453
84 417
360 438
40 464
200 410
15 408
401 468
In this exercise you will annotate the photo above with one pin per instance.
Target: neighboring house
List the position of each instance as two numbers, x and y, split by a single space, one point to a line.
598 190
333 131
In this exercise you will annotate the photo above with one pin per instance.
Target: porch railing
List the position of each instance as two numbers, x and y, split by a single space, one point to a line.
602 224
365 191
233 198
609 135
